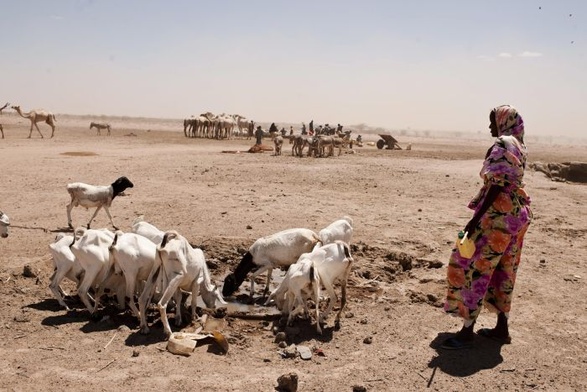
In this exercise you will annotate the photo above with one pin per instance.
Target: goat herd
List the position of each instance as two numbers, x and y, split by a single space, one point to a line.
148 263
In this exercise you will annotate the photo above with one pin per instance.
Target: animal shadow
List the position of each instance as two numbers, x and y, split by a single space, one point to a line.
485 354
64 229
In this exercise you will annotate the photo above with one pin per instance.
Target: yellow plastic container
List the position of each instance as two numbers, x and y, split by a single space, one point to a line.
465 245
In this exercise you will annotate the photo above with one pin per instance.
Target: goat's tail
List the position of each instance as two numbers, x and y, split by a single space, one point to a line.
168 236
77 233
113 262
347 252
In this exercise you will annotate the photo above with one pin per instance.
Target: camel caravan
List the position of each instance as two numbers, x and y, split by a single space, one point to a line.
222 126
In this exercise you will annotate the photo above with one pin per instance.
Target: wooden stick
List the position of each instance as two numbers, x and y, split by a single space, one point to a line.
113 336
108 364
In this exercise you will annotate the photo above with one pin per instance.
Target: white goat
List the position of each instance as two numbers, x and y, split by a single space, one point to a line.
141 227
95 196
67 266
134 255
185 268
276 250
92 254
4 223
323 266
341 229
300 283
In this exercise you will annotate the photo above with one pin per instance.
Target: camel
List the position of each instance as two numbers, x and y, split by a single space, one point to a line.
99 127
1 127
36 116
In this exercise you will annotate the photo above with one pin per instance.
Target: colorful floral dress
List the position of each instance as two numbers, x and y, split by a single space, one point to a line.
489 275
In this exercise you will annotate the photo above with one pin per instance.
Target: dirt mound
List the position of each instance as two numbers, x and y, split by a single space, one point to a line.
566 171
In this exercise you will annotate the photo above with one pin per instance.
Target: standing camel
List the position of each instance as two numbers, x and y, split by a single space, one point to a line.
1 127
36 116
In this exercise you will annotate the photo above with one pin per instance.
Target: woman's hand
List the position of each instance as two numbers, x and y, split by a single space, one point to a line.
471 226
490 197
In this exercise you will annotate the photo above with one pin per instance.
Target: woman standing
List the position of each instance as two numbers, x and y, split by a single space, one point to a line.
501 218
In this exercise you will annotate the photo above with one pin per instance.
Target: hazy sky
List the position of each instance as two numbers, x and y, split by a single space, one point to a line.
429 64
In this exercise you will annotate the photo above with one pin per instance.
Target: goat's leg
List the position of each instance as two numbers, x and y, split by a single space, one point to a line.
130 293
178 299
258 272
110 217
343 294
93 216
84 287
69 208
269 275
56 279
162 305
332 299
146 296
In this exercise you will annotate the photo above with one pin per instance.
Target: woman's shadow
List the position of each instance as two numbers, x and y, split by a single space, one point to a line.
485 354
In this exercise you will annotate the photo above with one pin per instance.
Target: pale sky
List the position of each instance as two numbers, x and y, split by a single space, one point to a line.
422 64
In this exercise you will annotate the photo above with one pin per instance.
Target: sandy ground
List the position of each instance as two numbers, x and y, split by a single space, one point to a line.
407 207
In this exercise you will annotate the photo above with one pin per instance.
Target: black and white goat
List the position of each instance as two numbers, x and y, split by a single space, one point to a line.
276 250
95 196
4 223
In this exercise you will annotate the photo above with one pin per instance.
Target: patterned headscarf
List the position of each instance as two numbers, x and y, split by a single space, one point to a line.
509 122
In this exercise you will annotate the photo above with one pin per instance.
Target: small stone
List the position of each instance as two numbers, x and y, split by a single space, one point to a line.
288 382
266 360
542 261
364 321
135 353
282 344
349 315
123 328
249 227
280 337
368 340
28 272
359 388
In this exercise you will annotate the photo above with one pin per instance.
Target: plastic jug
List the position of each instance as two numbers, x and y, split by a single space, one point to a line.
465 245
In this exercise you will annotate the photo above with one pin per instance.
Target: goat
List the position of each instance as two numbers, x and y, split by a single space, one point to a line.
144 228
278 141
341 229
67 266
95 196
185 268
100 126
299 283
134 255
92 254
4 223
323 266
276 250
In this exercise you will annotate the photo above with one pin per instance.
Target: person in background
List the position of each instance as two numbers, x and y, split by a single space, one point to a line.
502 216
259 135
